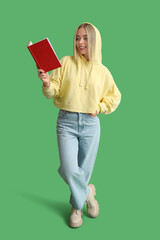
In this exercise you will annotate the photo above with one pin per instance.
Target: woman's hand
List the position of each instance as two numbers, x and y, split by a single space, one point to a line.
44 76
93 115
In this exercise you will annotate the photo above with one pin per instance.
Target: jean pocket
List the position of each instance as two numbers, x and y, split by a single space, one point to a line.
62 114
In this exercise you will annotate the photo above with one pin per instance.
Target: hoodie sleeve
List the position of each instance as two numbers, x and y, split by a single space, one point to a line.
55 78
111 96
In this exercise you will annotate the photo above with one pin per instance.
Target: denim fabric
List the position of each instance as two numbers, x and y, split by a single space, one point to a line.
78 137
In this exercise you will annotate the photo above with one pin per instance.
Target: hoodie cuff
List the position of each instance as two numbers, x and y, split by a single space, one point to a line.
46 87
48 91
98 109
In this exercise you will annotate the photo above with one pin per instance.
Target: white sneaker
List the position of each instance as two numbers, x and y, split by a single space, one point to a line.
75 218
91 203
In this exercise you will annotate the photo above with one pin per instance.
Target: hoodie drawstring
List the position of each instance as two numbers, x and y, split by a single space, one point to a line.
89 75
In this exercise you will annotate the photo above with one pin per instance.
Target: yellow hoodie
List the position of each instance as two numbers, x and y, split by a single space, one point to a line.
85 87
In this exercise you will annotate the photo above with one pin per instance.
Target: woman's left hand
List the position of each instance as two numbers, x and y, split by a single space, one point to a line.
93 114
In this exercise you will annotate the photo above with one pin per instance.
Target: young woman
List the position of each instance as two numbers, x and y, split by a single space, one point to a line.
82 88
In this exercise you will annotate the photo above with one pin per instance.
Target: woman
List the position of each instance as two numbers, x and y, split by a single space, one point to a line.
82 88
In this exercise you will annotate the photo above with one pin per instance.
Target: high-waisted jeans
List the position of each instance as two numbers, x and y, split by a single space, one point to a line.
78 137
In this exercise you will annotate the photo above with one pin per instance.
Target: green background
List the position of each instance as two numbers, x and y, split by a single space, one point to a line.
34 199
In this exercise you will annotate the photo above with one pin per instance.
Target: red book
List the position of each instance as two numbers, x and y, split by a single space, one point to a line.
44 55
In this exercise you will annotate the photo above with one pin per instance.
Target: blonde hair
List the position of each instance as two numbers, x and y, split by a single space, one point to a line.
91 35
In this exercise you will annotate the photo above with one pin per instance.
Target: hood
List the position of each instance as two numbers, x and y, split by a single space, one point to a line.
98 55
88 73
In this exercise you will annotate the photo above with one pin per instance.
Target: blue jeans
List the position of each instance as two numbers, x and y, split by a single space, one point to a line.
78 137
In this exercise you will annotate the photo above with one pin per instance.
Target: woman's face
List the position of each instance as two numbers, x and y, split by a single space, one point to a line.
82 42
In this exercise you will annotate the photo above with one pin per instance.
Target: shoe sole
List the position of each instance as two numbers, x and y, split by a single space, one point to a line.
76 225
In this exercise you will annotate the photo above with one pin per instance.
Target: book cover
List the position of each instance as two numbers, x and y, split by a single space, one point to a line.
44 55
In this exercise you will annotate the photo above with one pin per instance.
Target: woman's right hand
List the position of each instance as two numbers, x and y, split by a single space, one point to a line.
44 76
